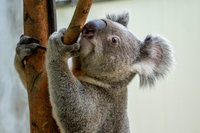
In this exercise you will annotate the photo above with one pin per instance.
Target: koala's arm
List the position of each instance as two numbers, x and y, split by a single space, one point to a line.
25 47
66 92
20 69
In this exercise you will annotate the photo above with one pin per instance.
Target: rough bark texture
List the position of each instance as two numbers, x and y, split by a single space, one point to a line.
37 24
78 21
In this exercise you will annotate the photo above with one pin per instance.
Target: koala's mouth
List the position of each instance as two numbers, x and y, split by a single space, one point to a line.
89 34
85 41
86 46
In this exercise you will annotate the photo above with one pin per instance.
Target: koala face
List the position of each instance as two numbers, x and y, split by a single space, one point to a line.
110 51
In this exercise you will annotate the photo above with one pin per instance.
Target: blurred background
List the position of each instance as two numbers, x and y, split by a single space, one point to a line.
172 106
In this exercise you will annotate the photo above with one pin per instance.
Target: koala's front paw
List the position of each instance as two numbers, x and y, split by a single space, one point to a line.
27 46
56 47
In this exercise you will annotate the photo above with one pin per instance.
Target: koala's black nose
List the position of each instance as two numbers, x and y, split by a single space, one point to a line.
93 26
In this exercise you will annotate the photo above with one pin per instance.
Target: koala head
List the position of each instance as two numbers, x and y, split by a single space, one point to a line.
109 51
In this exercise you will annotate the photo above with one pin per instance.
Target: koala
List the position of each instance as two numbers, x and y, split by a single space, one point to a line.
91 97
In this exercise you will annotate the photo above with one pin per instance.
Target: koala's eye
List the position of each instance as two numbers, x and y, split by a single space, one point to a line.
114 40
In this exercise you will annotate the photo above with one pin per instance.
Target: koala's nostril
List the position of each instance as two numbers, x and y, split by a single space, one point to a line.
93 26
89 33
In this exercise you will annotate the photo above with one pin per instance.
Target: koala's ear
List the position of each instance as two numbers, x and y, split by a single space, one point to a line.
156 57
120 18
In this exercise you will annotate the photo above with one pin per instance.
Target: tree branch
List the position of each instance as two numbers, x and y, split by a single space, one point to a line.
78 21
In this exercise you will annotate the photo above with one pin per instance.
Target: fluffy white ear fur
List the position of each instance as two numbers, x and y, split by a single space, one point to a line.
155 60
120 18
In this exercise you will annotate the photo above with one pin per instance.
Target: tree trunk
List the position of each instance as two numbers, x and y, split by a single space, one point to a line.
39 22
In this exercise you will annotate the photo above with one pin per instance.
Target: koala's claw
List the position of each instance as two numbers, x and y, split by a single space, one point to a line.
27 46
26 40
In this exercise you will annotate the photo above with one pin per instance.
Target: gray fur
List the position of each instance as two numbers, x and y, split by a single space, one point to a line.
120 18
164 65
92 98
25 47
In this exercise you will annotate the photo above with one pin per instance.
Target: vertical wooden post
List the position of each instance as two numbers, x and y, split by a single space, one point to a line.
39 22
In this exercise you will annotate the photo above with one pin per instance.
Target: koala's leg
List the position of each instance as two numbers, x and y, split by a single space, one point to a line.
66 94
25 47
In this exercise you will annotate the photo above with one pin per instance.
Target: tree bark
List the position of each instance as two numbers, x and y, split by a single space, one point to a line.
38 24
